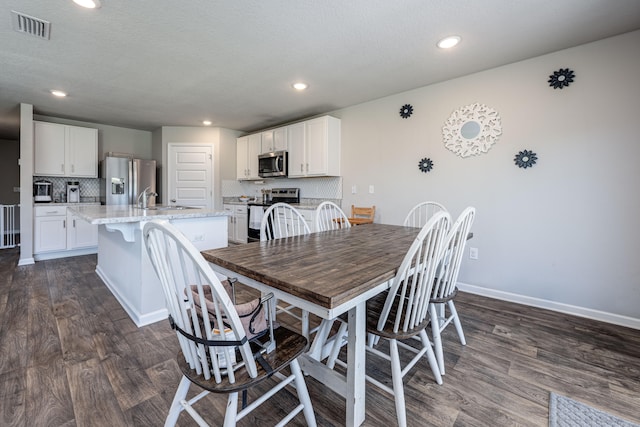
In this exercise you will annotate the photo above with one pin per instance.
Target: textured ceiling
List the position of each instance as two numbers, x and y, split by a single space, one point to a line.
149 63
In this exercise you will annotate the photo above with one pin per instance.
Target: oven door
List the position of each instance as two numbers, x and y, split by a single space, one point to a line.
256 212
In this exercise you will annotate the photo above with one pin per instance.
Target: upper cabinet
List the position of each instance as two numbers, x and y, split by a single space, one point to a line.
63 150
274 140
248 149
314 147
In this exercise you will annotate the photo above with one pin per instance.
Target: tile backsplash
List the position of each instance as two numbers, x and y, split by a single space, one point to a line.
315 188
89 188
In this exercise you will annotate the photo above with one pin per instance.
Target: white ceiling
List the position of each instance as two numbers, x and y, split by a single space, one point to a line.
149 63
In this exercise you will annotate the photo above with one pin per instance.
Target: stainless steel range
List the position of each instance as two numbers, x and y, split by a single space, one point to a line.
257 209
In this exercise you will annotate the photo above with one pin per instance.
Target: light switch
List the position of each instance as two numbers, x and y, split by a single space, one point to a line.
354 189
371 189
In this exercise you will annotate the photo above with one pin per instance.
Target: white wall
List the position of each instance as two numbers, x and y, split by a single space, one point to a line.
26 184
562 234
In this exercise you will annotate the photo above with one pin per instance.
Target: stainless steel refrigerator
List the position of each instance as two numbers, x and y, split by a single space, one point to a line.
123 179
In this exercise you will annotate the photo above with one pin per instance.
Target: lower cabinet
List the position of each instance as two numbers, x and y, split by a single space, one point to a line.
309 216
238 222
80 233
50 230
58 233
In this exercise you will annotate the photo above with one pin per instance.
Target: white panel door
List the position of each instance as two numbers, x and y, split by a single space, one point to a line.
190 175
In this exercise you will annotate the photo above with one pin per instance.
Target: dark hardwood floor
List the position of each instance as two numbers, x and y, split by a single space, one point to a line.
70 356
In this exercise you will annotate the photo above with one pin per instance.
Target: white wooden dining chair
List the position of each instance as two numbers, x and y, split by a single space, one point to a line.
402 312
219 351
279 221
282 220
444 288
420 213
329 216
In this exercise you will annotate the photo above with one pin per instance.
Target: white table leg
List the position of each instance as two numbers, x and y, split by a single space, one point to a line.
356 354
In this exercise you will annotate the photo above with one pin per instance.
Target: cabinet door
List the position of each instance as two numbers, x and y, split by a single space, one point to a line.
81 152
267 142
50 234
242 224
316 146
241 158
49 142
231 235
309 216
254 148
80 233
296 142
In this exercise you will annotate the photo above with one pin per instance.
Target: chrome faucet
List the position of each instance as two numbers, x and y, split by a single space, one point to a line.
143 197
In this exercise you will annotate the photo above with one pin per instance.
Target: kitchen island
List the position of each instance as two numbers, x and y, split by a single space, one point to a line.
123 263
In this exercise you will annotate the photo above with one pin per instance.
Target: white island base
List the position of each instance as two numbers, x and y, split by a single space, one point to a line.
124 266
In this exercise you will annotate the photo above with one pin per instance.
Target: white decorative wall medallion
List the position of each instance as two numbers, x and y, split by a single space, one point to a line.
472 130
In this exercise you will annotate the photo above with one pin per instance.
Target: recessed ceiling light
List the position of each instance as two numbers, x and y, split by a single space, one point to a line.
58 93
300 86
89 4
206 122
449 42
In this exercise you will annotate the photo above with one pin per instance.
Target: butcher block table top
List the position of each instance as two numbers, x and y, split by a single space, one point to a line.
327 268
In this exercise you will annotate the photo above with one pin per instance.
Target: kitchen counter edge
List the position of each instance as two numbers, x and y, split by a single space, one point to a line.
114 214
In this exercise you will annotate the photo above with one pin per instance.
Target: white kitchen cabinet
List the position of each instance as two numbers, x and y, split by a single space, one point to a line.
63 150
49 141
274 140
241 224
248 148
238 222
309 216
81 152
314 147
296 141
50 229
80 233
59 233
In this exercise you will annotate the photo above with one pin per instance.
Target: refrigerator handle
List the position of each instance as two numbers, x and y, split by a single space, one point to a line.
133 185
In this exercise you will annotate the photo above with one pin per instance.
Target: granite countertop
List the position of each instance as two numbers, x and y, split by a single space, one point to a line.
65 204
113 214
304 203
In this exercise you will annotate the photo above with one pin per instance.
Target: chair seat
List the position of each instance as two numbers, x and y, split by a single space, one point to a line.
374 308
289 345
446 298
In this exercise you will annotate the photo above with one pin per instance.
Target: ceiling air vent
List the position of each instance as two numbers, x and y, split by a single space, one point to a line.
28 24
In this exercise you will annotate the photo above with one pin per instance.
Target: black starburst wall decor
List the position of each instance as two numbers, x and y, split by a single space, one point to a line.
425 165
561 78
406 111
525 159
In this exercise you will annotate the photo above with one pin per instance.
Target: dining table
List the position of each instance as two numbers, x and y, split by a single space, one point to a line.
328 274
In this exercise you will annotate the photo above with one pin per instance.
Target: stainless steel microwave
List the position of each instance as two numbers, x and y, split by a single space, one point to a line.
273 165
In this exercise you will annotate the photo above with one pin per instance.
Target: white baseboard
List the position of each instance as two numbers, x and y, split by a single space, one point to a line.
43 256
136 317
589 313
26 261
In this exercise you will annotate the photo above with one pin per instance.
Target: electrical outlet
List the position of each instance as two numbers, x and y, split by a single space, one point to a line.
473 253
371 189
16 189
198 238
